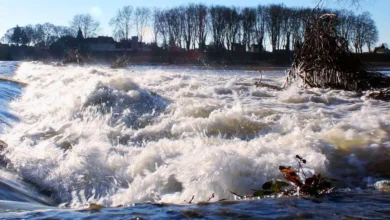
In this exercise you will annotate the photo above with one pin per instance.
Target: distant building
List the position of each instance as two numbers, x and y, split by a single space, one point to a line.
144 47
101 43
210 48
134 43
281 51
381 50
108 44
5 52
255 48
238 47
175 48
214 48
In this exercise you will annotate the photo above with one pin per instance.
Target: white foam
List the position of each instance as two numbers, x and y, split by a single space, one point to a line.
153 134
383 185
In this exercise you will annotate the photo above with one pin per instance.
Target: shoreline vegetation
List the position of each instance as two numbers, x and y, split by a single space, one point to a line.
207 37
280 60
191 59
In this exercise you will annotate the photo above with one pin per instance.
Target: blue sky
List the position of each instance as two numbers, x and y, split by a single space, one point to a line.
60 12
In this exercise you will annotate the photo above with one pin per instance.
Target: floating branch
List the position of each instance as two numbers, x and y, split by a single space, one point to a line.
211 197
190 200
309 186
260 84
238 195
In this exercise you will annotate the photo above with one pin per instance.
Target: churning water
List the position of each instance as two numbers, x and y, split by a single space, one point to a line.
139 136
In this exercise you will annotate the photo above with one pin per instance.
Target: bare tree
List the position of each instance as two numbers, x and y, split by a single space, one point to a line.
15 35
86 23
364 32
182 16
297 22
7 36
218 25
201 25
346 24
189 14
41 35
187 26
233 24
161 25
122 23
259 29
156 31
62 31
350 3
141 19
372 35
47 34
174 23
287 15
248 19
29 32
274 24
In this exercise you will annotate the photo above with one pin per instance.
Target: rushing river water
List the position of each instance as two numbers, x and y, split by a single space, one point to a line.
137 139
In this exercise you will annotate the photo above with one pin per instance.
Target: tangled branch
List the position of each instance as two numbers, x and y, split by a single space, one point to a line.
324 60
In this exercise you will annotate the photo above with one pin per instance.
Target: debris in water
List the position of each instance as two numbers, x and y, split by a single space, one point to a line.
3 145
383 186
324 60
383 94
312 186
94 207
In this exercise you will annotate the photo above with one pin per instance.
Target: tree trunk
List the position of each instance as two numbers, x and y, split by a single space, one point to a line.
288 42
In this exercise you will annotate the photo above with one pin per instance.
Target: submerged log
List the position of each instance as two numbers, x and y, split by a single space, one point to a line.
6 79
261 84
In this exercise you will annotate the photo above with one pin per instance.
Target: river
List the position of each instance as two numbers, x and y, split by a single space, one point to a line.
142 141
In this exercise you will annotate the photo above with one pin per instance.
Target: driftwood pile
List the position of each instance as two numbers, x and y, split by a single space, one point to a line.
324 60
383 94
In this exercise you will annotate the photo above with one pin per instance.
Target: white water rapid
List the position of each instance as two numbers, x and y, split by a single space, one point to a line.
151 134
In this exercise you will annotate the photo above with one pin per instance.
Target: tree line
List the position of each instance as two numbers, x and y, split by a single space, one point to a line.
192 26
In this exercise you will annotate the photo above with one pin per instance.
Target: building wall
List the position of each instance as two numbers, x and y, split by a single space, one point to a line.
112 47
102 47
255 49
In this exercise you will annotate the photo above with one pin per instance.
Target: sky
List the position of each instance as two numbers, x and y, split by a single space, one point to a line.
60 12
